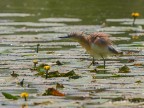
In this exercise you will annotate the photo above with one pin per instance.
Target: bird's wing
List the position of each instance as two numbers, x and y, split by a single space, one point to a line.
113 50
100 39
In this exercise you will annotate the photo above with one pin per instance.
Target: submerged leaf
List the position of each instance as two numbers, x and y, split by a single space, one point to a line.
42 103
9 96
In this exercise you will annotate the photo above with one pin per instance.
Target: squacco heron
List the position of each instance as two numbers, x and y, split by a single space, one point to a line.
97 44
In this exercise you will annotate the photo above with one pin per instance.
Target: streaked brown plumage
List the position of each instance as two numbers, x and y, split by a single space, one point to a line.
96 44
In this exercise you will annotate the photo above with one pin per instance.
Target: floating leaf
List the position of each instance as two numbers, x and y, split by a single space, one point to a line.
138 81
138 64
58 63
69 74
118 99
74 77
13 74
136 100
58 85
52 91
9 96
101 67
116 75
124 69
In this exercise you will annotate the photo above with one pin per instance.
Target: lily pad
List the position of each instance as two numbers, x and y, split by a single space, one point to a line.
52 91
9 96
124 69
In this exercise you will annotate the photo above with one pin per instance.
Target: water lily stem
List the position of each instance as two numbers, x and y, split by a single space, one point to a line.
25 98
37 50
46 74
34 65
134 18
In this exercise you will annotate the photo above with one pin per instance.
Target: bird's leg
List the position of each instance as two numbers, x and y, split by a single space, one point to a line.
103 60
92 63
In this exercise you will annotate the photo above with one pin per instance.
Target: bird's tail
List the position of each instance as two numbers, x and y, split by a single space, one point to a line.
114 51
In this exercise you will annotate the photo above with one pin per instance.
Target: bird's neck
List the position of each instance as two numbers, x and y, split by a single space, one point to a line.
84 42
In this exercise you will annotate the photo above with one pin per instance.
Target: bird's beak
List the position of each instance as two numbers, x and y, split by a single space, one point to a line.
64 37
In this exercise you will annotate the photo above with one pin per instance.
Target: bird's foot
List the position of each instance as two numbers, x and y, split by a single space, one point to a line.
93 63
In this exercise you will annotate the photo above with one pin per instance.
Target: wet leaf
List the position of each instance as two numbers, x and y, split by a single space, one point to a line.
138 81
58 63
52 91
124 69
42 103
136 100
74 77
116 75
69 74
9 96
13 74
58 85
138 64
118 99
101 67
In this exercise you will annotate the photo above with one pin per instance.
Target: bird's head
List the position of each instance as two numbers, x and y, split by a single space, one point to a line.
74 35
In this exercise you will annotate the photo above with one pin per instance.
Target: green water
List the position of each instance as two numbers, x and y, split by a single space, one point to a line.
90 11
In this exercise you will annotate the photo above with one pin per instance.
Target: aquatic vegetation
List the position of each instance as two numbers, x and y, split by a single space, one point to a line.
24 95
42 69
134 15
21 83
9 96
124 69
138 81
58 85
46 68
136 100
35 63
37 49
13 74
118 99
31 51
58 62
52 91
43 103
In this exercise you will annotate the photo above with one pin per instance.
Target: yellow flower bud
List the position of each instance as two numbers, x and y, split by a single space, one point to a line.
46 67
135 14
24 95
35 61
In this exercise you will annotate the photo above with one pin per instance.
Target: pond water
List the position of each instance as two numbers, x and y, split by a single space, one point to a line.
24 24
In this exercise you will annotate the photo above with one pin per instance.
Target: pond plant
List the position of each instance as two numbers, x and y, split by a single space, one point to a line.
47 68
37 48
24 95
35 62
134 15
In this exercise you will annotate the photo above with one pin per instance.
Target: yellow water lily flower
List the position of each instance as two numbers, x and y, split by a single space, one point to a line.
24 95
136 14
46 67
35 61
